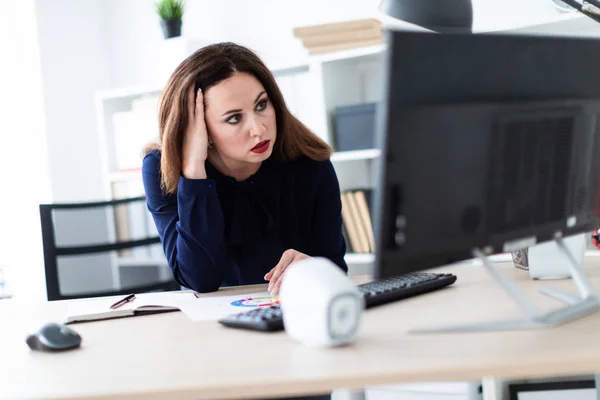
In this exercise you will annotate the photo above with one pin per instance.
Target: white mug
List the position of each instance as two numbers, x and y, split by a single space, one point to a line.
548 261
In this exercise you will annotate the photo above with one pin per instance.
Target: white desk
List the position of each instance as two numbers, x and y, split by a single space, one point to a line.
168 356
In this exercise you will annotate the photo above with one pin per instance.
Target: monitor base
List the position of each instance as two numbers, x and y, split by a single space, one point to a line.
577 307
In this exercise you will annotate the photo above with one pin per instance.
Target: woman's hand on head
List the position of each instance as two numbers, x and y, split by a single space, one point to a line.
195 140
275 275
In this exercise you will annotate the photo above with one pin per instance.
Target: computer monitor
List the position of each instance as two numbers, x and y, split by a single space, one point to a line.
488 141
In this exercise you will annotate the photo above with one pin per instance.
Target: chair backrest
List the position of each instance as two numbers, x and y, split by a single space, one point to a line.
107 237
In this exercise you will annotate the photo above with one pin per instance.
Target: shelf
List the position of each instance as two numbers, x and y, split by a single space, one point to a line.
141 262
288 66
304 64
355 155
360 258
125 176
125 92
349 53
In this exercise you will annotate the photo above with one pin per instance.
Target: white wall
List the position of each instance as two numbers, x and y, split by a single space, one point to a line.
493 15
265 26
74 65
579 26
135 38
24 175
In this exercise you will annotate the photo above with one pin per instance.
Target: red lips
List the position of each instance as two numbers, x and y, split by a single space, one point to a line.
261 147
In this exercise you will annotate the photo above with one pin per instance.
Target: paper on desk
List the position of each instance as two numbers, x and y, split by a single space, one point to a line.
214 308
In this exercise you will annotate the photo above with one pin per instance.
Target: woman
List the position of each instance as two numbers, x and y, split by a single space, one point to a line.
238 187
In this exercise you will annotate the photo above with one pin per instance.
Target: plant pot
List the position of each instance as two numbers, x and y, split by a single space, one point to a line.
171 27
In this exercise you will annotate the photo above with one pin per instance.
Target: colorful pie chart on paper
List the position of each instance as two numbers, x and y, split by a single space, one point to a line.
261 301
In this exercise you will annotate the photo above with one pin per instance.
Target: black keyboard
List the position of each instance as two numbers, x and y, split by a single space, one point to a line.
376 293
384 291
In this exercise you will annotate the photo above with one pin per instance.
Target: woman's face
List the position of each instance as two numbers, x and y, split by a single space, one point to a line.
240 119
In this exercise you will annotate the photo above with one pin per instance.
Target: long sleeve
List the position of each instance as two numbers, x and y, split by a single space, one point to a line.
191 227
327 239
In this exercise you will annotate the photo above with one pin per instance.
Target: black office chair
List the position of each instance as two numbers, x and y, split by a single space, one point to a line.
103 234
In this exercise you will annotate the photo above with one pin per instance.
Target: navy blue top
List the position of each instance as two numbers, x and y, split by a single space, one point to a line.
219 232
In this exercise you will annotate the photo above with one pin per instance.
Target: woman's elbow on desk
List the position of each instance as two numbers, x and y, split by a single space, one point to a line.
206 288
202 285
196 281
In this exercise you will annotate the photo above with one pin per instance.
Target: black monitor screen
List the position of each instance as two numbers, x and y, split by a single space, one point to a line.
488 141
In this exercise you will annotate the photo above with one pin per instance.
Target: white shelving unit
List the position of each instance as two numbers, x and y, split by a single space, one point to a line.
312 87
356 155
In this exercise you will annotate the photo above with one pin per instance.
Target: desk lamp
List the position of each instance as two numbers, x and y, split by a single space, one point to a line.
443 16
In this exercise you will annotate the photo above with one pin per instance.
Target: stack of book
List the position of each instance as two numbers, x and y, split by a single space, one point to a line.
339 35
357 225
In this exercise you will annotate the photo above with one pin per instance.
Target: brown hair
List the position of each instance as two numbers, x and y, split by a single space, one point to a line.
207 67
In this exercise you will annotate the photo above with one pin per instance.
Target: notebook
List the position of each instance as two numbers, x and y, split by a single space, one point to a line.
143 304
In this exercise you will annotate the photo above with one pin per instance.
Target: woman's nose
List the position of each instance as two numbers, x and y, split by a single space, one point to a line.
256 129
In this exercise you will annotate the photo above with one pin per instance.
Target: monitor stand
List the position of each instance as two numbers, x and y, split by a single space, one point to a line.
576 307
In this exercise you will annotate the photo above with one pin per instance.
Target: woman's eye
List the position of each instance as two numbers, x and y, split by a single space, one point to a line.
234 119
261 105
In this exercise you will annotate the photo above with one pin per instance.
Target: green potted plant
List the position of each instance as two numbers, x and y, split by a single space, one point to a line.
170 13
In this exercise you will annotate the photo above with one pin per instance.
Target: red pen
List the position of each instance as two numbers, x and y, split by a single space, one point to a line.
125 300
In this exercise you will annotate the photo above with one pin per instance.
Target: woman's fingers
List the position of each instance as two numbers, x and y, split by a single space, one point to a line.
269 274
286 259
191 104
275 290
277 285
278 270
199 114
275 275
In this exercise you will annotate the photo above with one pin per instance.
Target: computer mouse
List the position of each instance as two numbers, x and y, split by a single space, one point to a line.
54 337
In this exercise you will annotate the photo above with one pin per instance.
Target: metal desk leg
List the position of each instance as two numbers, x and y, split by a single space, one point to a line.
357 395
597 380
349 395
492 389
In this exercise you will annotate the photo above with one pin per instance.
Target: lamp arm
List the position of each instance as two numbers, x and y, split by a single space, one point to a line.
591 10
593 7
